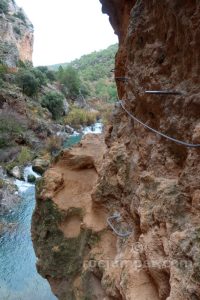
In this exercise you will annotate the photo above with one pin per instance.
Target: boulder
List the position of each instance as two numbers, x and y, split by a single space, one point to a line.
16 172
40 165
69 129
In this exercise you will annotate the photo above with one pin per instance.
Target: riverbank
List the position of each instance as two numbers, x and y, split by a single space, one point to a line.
65 223
18 275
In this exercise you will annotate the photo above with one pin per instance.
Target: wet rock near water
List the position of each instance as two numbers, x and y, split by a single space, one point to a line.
17 173
9 196
69 129
40 165
31 178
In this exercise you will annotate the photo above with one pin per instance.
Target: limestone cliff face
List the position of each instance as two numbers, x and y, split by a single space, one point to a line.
16 35
154 183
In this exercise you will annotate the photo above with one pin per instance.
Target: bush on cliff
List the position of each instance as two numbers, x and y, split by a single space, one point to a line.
54 103
4 6
70 79
11 127
50 75
28 82
40 76
3 71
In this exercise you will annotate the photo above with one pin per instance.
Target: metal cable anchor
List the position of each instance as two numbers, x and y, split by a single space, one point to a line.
164 92
116 216
123 79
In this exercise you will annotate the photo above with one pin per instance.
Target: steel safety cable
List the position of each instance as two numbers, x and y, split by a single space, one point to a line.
158 132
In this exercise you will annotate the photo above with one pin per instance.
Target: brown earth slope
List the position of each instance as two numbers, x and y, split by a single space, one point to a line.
154 183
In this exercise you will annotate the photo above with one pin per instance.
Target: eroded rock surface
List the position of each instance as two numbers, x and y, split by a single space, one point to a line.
16 35
152 182
66 224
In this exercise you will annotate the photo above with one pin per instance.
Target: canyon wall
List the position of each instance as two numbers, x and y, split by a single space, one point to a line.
154 183
16 35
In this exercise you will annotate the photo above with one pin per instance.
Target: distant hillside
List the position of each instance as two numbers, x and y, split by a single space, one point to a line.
95 72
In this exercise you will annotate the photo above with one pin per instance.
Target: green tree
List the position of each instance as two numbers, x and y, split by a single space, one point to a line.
41 77
70 79
54 103
11 127
28 82
4 6
51 75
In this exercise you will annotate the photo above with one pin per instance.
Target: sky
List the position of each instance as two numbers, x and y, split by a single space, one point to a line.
67 29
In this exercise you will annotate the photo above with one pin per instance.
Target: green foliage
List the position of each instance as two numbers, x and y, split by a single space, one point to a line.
40 76
94 72
78 116
70 79
4 6
30 79
28 82
11 128
24 65
20 15
17 30
24 156
50 75
3 71
106 91
54 103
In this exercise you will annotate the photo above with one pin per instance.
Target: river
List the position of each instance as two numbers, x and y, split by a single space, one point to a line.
19 279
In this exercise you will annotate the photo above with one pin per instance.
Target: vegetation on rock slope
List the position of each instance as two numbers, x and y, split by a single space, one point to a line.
95 74
37 103
33 100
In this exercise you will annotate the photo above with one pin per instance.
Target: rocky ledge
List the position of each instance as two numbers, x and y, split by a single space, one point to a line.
154 183
66 224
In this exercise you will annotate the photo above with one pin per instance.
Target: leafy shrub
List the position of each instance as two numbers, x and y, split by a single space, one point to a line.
28 82
17 30
3 70
11 127
70 79
24 156
51 75
20 15
41 77
78 116
106 90
24 64
4 6
54 103
94 72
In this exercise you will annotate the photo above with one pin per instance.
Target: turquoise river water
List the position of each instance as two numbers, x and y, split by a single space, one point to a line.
19 279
